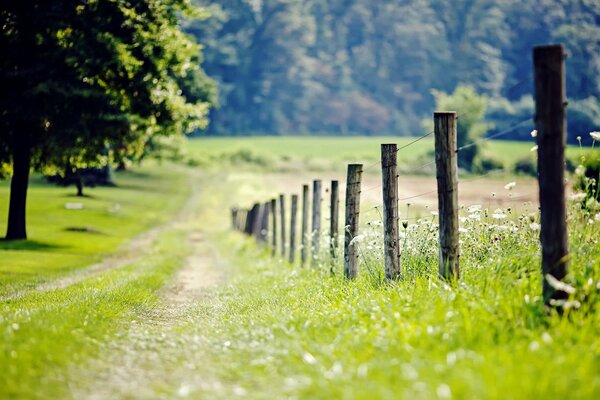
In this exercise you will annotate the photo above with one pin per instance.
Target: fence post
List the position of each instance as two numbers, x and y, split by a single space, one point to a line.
389 178
294 212
550 104
257 221
351 254
316 220
282 217
264 226
234 212
334 221
304 238
447 188
249 220
273 227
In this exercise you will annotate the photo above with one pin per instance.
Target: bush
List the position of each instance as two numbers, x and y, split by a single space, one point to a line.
486 164
526 166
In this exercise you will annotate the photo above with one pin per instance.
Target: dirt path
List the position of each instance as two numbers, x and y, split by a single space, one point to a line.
131 252
146 356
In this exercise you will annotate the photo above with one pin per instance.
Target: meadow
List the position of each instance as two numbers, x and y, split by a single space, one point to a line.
204 312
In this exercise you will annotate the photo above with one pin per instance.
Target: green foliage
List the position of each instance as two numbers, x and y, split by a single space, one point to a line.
359 66
104 74
470 108
526 166
587 179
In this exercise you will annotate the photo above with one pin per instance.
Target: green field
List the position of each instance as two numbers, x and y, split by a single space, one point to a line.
201 311
333 153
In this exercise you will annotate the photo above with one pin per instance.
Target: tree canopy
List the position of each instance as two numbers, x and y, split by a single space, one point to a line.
83 80
368 67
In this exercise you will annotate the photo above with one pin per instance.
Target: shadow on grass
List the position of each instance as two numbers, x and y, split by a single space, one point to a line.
27 245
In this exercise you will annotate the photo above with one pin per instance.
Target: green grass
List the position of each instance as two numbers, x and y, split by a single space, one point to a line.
275 330
331 153
143 198
280 331
44 335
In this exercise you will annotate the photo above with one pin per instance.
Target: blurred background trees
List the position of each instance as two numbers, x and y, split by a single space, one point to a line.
369 67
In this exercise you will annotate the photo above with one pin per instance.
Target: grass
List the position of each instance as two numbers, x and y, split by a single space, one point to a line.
275 330
61 239
309 153
280 331
46 334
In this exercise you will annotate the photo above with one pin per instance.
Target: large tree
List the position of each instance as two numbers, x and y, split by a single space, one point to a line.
82 77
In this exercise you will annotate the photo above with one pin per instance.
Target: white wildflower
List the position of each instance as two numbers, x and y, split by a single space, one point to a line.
580 170
474 208
535 226
474 216
510 185
595 135
534 148
499 214
434 213
534 133
559 285
357 239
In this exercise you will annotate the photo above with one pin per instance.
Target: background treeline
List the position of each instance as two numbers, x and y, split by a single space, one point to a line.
369 67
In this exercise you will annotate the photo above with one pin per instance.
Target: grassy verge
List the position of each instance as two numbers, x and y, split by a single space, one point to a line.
281 331
46 334
62 239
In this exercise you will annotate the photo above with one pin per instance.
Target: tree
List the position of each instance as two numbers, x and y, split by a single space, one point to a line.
471 108
81 77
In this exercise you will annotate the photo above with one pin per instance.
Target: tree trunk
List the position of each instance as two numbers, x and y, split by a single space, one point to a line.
17 228
79 183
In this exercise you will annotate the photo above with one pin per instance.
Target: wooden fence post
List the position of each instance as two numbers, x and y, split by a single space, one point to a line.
550 104
234 212
274 227
447 188
249 221
294 212
282 217
389 178
316 220
304 238
351 252
264 226
334 220
257 222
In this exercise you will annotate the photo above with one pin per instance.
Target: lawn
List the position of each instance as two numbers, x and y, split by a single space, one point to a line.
63 239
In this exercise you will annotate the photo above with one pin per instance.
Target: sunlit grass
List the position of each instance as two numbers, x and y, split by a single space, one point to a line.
62 239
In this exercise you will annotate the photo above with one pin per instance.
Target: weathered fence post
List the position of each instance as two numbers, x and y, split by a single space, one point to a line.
274 227
353 181
316 220
250 220
389 178
334 220
304 238
264 226
282 217
234 212
257 223
447 187
294 212
550 104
